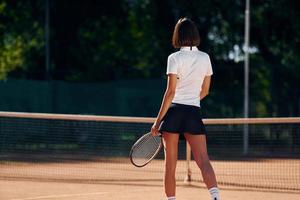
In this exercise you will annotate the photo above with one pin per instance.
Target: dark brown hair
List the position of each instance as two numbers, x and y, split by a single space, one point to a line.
185 33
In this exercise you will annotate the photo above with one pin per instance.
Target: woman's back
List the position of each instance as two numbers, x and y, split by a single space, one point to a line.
191 67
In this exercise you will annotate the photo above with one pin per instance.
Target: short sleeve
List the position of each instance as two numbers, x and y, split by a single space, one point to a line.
209 70
172 66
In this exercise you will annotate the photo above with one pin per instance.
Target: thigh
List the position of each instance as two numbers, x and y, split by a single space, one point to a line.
198 146
170 141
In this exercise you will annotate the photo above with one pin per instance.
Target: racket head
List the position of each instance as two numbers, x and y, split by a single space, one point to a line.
145 149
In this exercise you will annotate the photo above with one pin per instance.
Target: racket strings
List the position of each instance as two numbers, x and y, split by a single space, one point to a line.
145 149
149 141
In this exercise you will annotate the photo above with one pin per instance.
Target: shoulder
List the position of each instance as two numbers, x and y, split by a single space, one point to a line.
204 57
174 55
203 54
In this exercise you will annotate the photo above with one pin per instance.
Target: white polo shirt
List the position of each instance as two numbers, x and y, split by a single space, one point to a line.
191 67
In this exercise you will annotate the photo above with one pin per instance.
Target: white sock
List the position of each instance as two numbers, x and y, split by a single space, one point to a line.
214 192
171 198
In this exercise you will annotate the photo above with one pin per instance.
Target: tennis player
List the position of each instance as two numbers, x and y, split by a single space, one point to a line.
189 72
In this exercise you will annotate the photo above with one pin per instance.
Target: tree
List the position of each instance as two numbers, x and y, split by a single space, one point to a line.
21 34
120 39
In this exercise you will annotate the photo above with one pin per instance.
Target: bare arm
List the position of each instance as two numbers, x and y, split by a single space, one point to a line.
166 102
205 87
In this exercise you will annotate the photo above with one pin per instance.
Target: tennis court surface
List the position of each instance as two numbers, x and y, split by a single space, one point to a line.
86 157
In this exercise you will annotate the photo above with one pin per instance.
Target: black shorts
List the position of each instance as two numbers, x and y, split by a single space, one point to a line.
182 119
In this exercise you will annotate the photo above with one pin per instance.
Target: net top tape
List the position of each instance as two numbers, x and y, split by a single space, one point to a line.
102 118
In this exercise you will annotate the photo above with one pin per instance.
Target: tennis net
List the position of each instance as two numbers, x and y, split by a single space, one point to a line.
86 148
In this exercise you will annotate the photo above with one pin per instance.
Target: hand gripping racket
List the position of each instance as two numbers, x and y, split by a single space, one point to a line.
145 149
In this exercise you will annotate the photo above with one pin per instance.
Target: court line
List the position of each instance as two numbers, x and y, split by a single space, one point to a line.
62 195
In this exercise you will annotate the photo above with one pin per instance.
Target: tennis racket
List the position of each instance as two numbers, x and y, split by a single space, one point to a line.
145 149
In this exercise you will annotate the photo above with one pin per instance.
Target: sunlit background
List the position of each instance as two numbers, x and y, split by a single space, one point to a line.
107 60
109 57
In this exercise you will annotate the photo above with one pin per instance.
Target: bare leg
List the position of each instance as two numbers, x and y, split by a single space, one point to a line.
171 152
199 150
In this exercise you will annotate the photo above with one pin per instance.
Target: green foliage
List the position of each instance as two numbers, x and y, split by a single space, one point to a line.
260 88
120 39
115 48
11 55
21 38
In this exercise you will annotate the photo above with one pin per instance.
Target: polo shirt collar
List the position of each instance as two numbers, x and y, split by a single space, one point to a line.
194 48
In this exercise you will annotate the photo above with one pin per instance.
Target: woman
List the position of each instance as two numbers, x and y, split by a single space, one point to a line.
189 72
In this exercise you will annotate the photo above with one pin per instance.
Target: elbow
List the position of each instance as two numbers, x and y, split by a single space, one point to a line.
205 92
170 93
